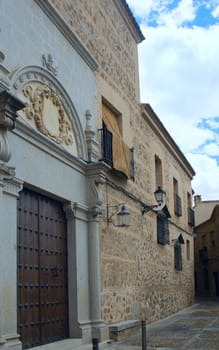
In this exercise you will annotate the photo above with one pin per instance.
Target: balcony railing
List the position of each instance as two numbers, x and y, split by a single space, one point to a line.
106 139
106 145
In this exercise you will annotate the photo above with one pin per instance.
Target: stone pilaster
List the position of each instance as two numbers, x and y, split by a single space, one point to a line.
96 176
9 188
92 144
77 267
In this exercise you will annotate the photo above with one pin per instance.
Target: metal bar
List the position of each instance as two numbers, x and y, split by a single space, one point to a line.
95 343
143 335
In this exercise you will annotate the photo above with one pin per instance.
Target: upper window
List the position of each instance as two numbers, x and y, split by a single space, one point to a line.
188 249
158 172
191 214
178 256
115 152
178 252
177 199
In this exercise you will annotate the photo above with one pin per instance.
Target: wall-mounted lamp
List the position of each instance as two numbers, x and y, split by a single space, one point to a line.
122 215
160 196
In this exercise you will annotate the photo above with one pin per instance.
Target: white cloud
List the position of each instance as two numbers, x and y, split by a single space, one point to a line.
184 12
213 124
211 149
179 76
205 182
215 13
144 8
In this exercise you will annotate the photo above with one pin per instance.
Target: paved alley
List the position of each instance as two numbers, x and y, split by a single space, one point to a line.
196 328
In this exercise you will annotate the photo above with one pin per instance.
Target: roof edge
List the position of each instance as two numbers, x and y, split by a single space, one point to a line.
130 20
147 109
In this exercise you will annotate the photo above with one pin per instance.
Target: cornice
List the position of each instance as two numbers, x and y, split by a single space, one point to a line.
59 22
129 20
47 145
158 127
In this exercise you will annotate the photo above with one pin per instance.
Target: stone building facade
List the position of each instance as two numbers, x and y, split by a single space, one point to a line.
206 246
75 144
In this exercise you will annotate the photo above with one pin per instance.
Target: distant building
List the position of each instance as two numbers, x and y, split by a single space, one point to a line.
207 248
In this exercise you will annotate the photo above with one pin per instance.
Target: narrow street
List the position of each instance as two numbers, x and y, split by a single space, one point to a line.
196 328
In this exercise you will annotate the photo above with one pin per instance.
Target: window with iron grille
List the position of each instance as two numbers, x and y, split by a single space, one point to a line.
178 256
106 143
114 151
162 229
191 217
177 205
177 199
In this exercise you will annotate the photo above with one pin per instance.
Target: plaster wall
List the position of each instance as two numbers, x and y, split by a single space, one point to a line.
27 34
41 168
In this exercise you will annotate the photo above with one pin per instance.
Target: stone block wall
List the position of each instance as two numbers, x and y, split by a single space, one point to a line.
100 27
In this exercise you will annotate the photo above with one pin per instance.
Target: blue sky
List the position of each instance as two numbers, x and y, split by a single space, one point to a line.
179 77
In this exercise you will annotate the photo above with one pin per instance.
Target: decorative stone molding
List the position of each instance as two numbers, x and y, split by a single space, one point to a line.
49 64
8 183
51 92
92 144
36 96
9 105
76 210
96 174
4 74
10 341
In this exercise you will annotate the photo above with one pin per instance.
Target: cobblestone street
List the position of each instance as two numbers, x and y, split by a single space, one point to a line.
196 327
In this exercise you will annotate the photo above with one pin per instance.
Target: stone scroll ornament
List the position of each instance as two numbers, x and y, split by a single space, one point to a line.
9 105
36 97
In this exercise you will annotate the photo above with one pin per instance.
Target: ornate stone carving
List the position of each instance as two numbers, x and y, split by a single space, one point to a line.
96 175
9 105
36 76
49 64
6 172
4 73
92 144
37 96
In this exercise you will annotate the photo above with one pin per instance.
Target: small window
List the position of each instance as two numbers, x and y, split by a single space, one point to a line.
177 199
162 229
191 214
178 256
158 172
188 249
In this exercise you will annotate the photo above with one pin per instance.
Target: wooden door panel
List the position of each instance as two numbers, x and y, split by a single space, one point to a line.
42 270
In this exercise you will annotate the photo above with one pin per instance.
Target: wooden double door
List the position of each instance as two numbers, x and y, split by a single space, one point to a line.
42 270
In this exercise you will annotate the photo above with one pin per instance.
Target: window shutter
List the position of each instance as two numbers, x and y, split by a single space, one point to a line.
162 229
166 231
178 256
132 164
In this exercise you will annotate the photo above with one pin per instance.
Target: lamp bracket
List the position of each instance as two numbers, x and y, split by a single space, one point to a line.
156 208
109 216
